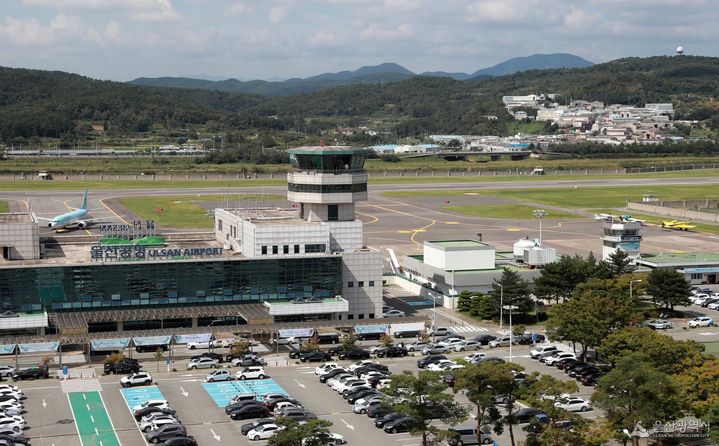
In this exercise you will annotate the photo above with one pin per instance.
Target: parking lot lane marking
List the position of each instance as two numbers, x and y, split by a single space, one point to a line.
92 421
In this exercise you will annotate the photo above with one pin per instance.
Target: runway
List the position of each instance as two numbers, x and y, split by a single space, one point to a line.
403 224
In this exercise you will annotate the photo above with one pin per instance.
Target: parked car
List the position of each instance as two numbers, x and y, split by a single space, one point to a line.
145 411
490 359
161 433
484 339
355 353
151 348
464 345
553 359
393 313
525 414
246 428
248 360
179 441
384 419
440 331
399 425
416 346
326 368
248 411
393 351
537 352
659 324
437 366
529 339
435 349
573 404
467 435
504 341
332 374
298 414
219 375
211 355
251 373
425 362
701 321
156 421
31 373
315 356
136 379
127 365
566 362
263 432
202 363
151 403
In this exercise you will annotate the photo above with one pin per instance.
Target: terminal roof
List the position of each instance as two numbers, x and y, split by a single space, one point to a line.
326 150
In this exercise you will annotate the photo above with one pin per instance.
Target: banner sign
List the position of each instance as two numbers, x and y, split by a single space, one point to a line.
297 333
152 340
110 344
6 349
371 329
137 229
187 338
38 347
135 253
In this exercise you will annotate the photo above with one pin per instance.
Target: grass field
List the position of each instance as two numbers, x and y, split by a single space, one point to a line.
4 206
183 211
711 348
9 185
517 211
580 197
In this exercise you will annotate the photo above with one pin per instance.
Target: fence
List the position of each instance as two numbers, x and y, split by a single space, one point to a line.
682 213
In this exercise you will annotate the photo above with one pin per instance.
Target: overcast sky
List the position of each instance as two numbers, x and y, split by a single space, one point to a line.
270 39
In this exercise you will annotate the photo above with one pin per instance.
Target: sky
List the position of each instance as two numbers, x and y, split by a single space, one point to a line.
279 39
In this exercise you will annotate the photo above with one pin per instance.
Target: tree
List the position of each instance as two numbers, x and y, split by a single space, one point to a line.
663 352
484 384
114 358
558 279
617 264
514 291
349 342
484 307
159 354
386 340
518 330
423 398
668 287
464 301
239 347
700 387
310 433
475 305
635 391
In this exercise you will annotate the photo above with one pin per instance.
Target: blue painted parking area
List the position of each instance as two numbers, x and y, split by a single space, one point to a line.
138 395
222 392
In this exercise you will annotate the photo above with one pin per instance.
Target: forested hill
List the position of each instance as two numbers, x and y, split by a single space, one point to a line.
445 105
43 103
50 103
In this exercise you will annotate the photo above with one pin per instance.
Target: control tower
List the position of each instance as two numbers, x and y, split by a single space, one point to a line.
621 233
327 182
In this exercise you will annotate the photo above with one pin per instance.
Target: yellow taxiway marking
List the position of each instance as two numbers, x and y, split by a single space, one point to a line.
513 229
419 230
102 202
451 222
471 193
72 209
404 231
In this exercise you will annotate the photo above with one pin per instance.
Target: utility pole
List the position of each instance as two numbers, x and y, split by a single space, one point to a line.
540 214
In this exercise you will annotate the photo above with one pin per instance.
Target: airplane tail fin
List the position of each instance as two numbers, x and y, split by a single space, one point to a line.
84 201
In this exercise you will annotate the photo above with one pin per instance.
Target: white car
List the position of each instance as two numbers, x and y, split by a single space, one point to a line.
263 432
701 298
222 343
282 405
333 440
156 422
351 385
202 363
475 357
341 382
573 404
467 345
163 404
537 352
437 366
196 345
701 321
361 406
371 374
325 368
11 387
7 370
359 364
713 306
451 342
393 313
286 341
416 346
11 407
251 373
16 424
219 375
156 415
551 360
136 379
384 383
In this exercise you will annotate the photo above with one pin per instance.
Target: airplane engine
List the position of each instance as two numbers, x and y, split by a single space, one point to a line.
49 225
81 224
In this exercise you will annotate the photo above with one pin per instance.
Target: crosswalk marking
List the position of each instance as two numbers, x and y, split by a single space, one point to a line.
467 329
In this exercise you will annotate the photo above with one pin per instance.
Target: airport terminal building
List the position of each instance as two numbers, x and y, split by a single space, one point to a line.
259 266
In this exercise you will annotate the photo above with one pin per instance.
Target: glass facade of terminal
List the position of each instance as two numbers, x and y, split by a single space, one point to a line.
152 284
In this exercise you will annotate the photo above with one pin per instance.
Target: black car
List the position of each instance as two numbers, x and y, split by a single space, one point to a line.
526 414
358 393
334 351
316 356
246 428
233 406
574 365
271 403
586 372
31 373
592 379
392 416
332 374
166 431
449 380
393 351
566 362
377 412
209 355
399 425
450 336
579 368
179 441
529 339
374 381
248 411
359 371
152 409
484 339
296 353
355 353
150 348
297 414
431 359
125 367
18 439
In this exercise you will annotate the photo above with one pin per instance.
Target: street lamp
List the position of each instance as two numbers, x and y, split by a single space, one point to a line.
631 283
501 306
540 214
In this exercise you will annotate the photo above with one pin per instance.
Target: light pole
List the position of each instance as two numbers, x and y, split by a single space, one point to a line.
501 306
511 335
540 214
631 283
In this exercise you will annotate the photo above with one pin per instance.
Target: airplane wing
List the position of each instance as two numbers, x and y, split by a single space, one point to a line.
42 218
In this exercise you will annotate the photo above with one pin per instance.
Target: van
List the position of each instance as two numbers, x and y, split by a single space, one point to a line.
243 397
464 435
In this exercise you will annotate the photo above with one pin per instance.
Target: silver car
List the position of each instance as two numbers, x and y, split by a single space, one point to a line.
435 349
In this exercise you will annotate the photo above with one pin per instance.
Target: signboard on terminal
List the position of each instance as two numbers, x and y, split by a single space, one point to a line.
100 253
631 238
136 229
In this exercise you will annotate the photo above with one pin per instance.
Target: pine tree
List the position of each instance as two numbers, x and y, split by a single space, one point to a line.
484 307
464 301
514 291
